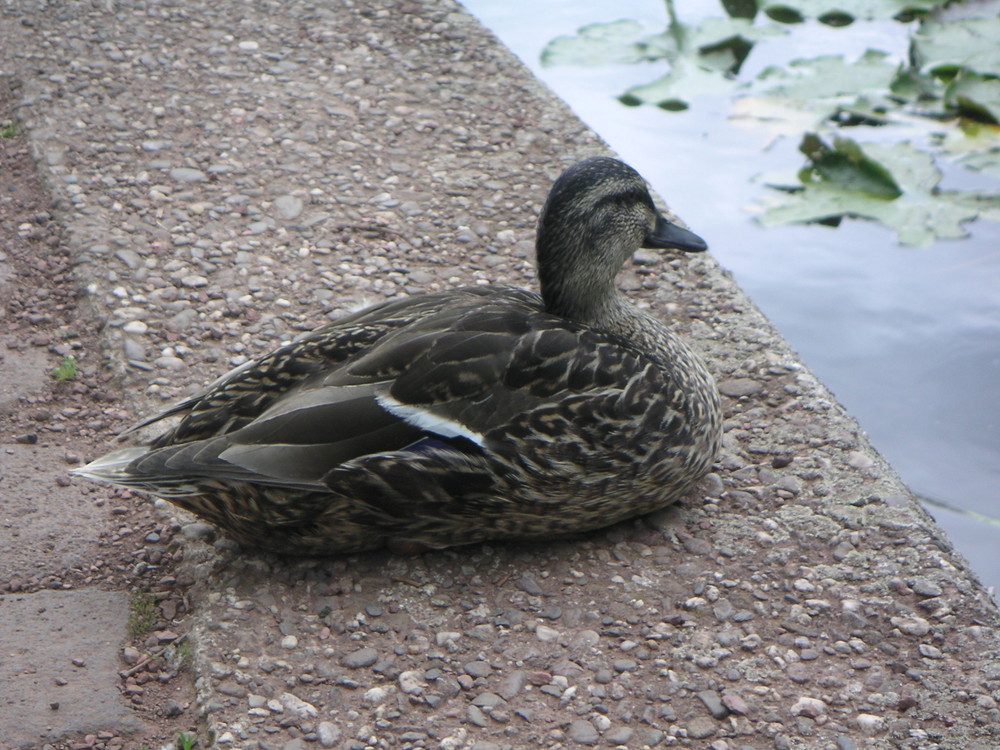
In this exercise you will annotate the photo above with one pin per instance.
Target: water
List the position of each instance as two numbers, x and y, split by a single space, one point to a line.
907 338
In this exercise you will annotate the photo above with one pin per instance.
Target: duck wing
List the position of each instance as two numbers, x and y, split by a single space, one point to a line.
242 394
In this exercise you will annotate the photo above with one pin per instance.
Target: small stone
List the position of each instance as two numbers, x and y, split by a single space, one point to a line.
289 642
870 724
476 716
488 700
860 461
546 634
619 736
735 703
194 281
248 45
478 668
198 531
806 706
130 654
931 652
582 732
713 703
375 696
601 722
188 174
513 684
798 672
701 727
913 625
329 733
926 587
585 639
444 636
135 327
363 657
411 682
298 707
737 387
288 207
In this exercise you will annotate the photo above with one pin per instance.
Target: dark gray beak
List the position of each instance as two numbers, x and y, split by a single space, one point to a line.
666 235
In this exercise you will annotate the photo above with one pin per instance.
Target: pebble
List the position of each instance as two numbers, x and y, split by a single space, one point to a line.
477 668
289 642
713 702
619 736
735 703
375 696
860 461
701 727
737 387
328 733
476 716
188 174
363 657
870 724
911 625
926 587
808 706
288 207
582 732
411 682
298 707
546 634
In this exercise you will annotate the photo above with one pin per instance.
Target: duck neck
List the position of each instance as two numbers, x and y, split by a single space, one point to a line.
589 300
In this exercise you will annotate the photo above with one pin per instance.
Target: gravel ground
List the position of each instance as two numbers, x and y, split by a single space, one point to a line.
224 175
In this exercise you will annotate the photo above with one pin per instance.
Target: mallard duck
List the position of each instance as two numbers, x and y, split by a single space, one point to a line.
456 417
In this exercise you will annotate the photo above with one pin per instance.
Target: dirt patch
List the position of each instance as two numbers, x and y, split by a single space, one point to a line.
56 533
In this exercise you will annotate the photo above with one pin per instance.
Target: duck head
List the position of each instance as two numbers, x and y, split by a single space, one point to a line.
598 213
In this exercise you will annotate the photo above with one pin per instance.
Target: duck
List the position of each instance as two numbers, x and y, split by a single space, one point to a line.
442 419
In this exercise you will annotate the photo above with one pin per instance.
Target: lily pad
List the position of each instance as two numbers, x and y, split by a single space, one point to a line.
892 184
844 12
974 145
970 44
830 76
677 89
974 96
618 42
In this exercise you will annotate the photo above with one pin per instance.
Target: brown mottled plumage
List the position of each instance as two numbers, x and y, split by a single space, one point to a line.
451 418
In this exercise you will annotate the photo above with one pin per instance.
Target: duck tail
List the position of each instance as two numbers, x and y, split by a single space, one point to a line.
112 468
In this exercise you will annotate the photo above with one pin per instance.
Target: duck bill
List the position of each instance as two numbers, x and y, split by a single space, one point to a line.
666 235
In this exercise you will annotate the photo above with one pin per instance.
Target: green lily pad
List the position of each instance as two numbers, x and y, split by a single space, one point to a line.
844 12
971 44
675 91
892 184
617 42
974 145
974 96
829 77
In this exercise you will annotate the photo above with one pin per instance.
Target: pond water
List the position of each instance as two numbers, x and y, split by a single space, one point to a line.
907 338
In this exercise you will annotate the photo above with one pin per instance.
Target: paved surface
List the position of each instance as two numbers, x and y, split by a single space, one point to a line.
59 666
230 172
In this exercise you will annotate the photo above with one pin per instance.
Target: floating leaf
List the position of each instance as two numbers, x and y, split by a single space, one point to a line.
830 76
617 42
675 91
975 145
848 180
846 167
970 44
724 43
844 12
974 96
